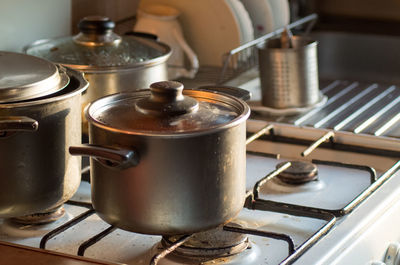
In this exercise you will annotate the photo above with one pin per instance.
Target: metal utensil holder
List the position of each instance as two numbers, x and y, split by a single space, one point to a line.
245 57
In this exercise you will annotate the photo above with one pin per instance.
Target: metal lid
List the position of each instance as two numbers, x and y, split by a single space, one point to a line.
97 47
25 77
166 108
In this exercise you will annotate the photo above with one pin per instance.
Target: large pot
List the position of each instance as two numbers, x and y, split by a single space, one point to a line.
39 117
111 63
163 162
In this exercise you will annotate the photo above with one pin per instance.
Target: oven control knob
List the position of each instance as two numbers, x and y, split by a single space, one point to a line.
392 256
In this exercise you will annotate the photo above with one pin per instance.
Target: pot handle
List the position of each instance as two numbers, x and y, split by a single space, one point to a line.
142 35
230 90
12 124
109 156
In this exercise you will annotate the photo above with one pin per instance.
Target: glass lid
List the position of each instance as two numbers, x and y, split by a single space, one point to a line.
97 46
25 77
166 108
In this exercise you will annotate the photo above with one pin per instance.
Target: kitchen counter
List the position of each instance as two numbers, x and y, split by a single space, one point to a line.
13 254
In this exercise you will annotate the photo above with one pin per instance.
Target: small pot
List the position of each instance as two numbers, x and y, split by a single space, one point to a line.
37 172
167 161
111 63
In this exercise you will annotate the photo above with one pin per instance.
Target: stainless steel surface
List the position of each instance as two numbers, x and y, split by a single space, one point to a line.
289 76
37 172
164 193
358 57
25 77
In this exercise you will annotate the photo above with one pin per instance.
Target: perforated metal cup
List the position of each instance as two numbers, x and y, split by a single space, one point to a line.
289 76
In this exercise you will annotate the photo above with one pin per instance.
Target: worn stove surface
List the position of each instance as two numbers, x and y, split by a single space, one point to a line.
348 216
279 218
359 107
12 254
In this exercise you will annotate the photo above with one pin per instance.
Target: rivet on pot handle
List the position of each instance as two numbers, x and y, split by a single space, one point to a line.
12 124
109 156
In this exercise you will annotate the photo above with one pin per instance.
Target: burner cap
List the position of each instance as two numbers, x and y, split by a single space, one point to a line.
40 218
299 172
210 244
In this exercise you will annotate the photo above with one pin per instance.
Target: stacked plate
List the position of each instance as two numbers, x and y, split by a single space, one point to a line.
214 27
267 15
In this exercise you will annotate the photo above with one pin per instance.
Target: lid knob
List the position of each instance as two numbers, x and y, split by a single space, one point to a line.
166 99
96 25
96 31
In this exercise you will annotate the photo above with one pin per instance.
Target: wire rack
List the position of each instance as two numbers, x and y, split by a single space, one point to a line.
235 61
245 57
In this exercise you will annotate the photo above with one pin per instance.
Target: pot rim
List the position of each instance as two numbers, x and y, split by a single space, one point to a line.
227 99
106 69
309 43
79 76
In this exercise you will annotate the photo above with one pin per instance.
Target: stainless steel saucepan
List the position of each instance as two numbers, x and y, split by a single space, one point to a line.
39 117
111 63
166 160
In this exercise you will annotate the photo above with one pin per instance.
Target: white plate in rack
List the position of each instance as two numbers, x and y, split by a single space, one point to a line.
243 18
281 13
210 27
261 16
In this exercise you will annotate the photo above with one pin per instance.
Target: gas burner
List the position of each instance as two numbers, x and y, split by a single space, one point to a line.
16 229
300 172
40 218
214 245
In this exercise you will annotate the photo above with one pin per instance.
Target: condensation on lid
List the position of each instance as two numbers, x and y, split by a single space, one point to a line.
130 52
119 112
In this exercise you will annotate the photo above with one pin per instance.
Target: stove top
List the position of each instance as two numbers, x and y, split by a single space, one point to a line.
329 219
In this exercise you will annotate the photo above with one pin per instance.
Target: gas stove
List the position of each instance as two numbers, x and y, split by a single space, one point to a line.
314 196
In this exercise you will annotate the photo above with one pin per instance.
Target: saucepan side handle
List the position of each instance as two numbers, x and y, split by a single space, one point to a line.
230 90
13 124
109 156
140 34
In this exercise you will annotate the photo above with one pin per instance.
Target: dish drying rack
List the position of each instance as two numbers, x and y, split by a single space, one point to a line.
243 58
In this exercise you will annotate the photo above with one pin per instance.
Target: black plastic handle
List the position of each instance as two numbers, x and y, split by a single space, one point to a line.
109 156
